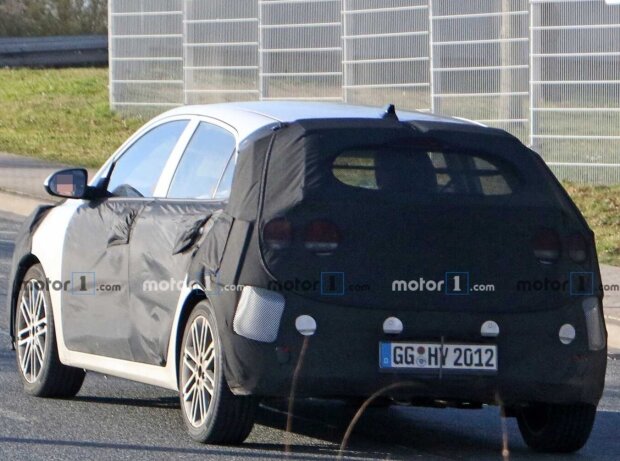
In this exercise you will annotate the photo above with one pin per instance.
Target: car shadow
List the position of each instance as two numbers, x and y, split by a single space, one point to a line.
422 432
301 453
392 432
161 402
268 416
473 434
322 420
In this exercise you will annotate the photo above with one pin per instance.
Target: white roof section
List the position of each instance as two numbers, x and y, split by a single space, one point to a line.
290 111
247 117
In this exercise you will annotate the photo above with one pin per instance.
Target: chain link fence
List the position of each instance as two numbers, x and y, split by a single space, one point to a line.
146 55
221 51
547 71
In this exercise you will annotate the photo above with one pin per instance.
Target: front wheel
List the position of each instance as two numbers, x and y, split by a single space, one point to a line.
212 413
40 369
553 428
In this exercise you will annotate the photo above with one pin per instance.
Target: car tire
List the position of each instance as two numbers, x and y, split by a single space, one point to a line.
550 428
38 364
211 412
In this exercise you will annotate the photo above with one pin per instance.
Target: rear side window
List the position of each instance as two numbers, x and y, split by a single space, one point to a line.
417 171
202 165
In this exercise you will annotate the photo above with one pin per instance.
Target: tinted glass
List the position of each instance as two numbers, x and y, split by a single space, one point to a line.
203 163
137 171
424 172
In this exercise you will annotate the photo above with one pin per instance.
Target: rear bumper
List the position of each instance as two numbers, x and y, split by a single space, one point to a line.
342 358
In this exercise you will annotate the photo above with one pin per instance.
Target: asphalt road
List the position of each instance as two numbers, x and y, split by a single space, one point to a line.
116 419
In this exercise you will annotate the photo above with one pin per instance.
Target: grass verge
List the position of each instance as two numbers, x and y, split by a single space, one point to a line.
601 207
61 115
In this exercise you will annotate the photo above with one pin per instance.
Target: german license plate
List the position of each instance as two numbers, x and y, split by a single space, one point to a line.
433 356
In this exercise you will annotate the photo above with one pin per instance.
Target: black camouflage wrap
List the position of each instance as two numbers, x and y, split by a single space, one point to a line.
283 174
149 242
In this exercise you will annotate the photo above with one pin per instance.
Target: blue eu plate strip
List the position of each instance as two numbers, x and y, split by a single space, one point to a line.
385 360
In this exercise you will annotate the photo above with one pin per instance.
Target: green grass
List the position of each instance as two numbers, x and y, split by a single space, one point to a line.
61 115
601 207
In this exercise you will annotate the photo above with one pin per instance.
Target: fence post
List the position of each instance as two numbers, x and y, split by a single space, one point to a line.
184 54
431 61
261 79
343 33
111 56
532 75
505 79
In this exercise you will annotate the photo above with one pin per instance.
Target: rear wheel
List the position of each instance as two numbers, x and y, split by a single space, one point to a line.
40 369
212 413
556 428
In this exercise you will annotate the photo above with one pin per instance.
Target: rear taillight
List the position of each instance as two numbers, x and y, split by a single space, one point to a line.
278 234
577 248
547 246
321 236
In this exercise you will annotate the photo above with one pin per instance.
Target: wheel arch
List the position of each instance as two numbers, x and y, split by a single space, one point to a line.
25 263
192 299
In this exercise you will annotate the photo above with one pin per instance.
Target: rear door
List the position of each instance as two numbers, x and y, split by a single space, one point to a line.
96 248
166 229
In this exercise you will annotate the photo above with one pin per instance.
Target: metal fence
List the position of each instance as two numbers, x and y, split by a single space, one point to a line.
480 62
221 51
575 88
548 71
146 54
387 52
300 50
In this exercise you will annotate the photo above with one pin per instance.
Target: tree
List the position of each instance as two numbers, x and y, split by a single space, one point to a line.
20 18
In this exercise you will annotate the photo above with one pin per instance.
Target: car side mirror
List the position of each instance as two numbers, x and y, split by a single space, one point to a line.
69 183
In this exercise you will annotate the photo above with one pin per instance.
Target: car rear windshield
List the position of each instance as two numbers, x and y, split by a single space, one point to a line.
425 172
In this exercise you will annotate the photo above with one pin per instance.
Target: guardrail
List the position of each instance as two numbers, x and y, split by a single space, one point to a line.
59 51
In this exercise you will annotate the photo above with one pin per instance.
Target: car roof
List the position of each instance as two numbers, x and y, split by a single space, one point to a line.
247 117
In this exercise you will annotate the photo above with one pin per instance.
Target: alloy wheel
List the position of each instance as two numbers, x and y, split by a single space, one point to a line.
198 371
32 330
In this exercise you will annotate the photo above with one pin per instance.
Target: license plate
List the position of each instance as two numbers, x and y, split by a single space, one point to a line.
433 356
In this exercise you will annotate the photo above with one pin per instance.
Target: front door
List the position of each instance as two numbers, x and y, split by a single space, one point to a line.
96 248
